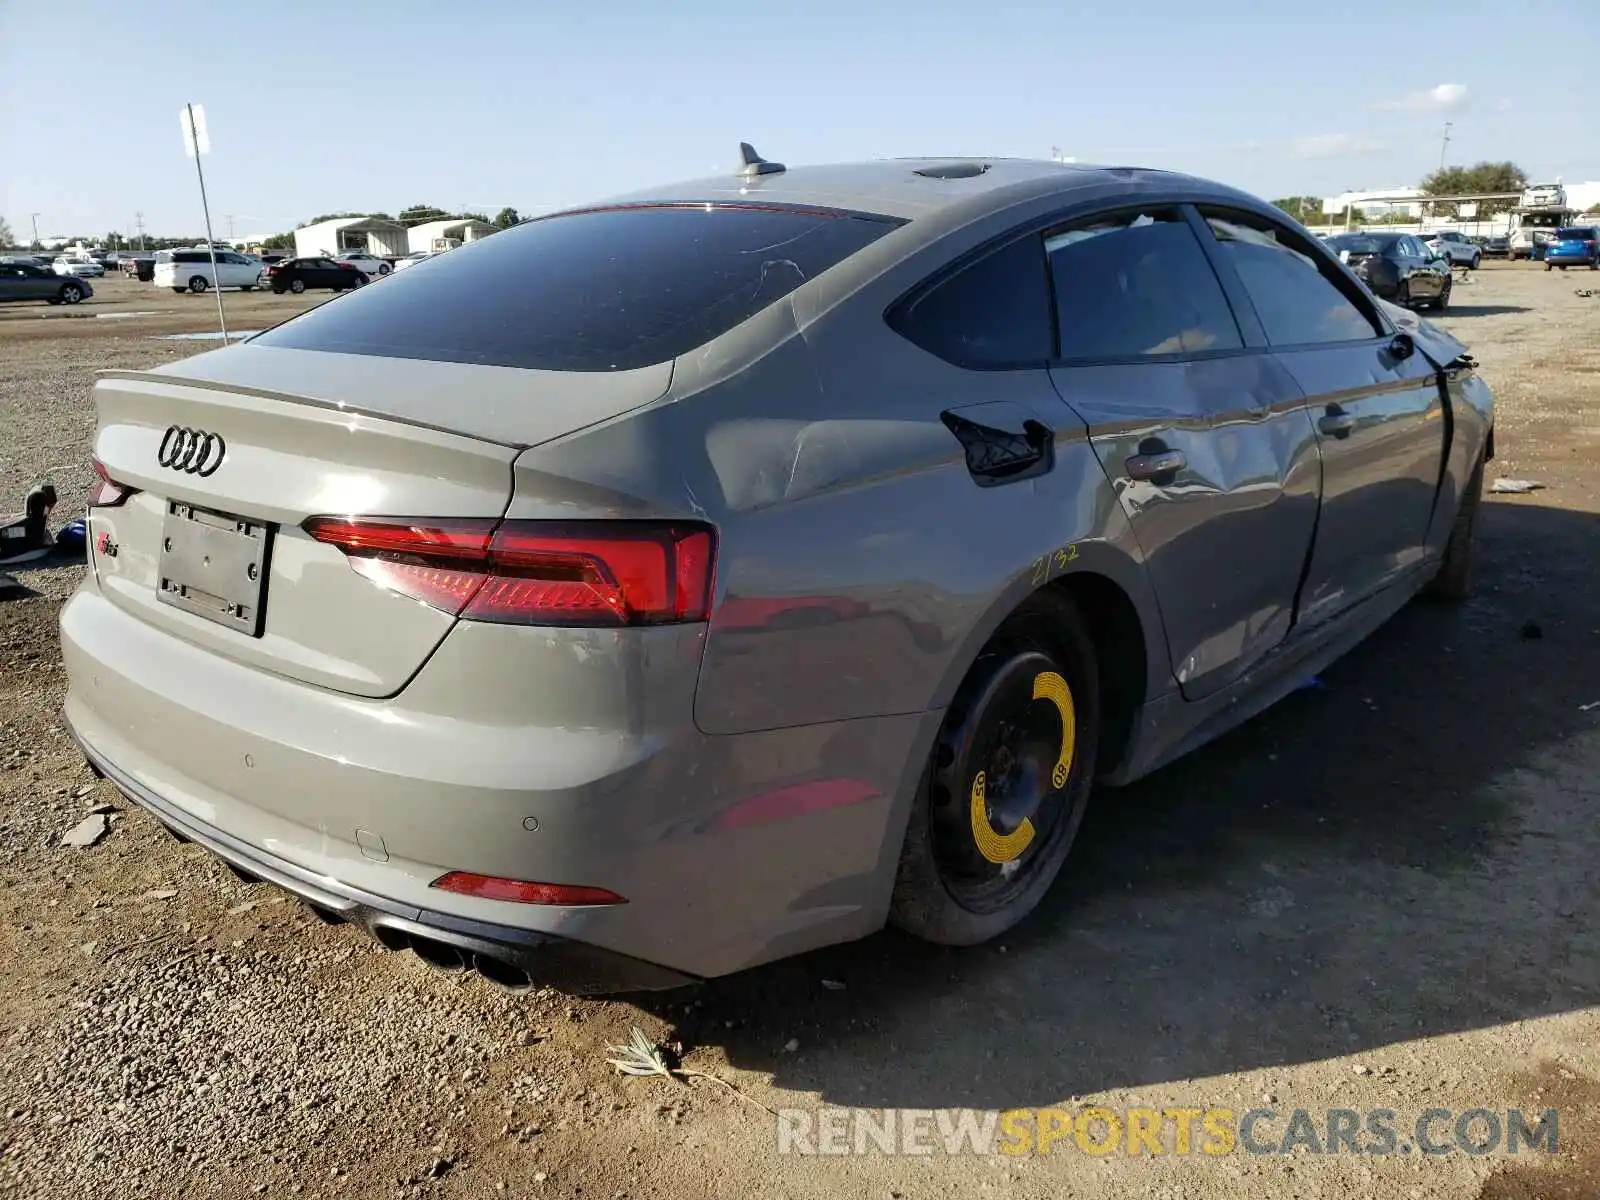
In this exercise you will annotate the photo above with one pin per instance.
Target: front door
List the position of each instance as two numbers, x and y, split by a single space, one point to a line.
1374 402
1206 441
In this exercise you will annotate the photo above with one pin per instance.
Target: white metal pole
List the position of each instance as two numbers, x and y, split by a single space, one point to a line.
211 249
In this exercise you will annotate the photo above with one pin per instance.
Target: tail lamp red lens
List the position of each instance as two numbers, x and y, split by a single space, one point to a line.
535 572
489 887
107 492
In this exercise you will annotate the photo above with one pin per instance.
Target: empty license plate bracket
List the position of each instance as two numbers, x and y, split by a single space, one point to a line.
214 565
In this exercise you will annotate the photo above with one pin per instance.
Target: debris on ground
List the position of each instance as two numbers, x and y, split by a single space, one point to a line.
1531 631
833 985
1590 707
87 831
641 1056
1515 487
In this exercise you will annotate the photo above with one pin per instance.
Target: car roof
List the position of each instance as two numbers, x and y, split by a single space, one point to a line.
910 188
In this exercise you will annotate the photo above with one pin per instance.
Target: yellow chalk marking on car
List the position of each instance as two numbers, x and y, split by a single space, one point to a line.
996 847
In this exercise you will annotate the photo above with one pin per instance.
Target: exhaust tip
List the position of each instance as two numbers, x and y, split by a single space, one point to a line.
438 955
506 976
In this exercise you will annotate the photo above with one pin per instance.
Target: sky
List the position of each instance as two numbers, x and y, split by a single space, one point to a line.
318 106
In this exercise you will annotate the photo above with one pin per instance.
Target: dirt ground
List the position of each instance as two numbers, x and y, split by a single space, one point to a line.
1380 894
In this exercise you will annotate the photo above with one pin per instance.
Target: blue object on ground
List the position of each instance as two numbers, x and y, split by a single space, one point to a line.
74 535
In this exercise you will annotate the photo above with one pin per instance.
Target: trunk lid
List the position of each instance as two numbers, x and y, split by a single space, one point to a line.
322 439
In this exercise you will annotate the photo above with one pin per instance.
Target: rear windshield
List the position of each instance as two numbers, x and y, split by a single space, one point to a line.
1361 245
1579 234
605 290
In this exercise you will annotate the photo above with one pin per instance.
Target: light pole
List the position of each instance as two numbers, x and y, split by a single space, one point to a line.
35 217
1444 145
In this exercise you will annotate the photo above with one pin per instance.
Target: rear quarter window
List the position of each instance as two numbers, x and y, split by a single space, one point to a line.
603 290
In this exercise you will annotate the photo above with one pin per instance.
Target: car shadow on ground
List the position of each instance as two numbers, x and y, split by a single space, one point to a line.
1457 309
1390 854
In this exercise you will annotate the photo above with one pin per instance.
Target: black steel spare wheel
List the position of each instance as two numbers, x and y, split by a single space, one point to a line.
1007 782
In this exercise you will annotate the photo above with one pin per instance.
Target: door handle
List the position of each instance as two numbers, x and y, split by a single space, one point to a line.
1337 423
1159 467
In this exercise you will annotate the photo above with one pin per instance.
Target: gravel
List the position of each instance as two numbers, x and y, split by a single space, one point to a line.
166 1029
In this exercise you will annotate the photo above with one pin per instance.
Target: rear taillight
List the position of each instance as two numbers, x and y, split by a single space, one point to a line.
107 492
521 891
535 572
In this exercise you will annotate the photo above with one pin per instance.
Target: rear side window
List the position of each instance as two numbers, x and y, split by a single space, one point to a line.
605 290
1300 299
1136 284
994 313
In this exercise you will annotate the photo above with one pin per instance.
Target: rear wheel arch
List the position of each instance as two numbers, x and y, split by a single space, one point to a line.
1117 630
1118 635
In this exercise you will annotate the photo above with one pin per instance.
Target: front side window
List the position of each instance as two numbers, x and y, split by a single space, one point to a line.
1136 284
600 290
1299 299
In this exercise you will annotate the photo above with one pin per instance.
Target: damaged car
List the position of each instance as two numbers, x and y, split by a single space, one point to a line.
692 579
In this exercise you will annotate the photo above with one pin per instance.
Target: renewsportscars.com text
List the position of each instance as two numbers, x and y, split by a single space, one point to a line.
1100 1131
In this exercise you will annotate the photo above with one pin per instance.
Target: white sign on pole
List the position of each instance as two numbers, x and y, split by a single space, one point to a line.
1332 205
1470 209
194 129
195 143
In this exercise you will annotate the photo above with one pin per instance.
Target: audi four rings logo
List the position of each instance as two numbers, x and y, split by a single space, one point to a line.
192 450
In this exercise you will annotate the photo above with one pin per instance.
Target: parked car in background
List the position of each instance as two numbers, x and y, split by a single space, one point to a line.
190 270
369 263
406 260
302 274
1498 246
139 266
571 533
83 268
29 281
1576 246
1457 247
1543 195
1397 266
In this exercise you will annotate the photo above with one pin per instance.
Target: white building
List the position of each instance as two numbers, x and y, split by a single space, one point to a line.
344 234
1366 202
1583 196
422 237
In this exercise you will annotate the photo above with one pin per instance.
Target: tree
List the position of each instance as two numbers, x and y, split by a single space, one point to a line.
1301 208
1592 210
506 218
1475 180
278 241
5 232
341 215
421 214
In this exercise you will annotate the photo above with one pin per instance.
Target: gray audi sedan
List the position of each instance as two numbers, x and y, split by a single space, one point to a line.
670 585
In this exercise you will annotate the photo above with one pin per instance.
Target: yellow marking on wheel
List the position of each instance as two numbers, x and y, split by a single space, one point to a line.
1047 685
998 848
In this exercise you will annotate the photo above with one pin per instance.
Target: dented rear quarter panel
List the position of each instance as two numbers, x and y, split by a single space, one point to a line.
811 437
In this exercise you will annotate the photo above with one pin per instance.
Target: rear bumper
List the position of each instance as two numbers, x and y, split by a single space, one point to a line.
552 756
569 965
